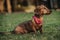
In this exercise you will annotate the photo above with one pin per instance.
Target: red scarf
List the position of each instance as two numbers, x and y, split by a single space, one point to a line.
37 20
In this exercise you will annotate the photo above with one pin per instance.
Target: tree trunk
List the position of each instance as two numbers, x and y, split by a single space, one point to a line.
9 6
1 5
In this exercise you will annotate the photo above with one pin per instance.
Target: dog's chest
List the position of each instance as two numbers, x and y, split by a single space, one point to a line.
38 22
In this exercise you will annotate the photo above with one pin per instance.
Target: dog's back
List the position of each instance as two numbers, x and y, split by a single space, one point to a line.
24 27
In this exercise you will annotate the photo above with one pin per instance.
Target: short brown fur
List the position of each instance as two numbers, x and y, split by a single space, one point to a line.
31 26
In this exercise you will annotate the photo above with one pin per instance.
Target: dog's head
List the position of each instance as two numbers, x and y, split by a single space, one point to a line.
42 10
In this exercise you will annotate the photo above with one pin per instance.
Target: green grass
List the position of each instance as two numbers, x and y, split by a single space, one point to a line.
51 26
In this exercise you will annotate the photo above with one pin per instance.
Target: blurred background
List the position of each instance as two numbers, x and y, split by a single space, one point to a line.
26 5
21 11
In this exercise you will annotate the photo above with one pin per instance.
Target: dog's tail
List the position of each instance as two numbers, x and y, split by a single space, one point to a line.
11 32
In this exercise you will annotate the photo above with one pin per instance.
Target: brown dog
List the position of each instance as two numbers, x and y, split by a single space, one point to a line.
35 24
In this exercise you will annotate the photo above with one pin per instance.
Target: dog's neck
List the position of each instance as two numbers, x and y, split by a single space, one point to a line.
37 15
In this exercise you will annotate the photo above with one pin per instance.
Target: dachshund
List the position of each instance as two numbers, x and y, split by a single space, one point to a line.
35 23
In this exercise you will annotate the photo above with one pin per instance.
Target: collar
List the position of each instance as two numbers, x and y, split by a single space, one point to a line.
37 20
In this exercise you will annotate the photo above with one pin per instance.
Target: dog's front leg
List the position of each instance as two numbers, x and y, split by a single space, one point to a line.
41 29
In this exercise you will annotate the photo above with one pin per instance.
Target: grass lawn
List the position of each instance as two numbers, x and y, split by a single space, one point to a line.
51 26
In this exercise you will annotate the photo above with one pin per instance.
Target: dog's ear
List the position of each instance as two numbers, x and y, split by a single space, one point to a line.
37 10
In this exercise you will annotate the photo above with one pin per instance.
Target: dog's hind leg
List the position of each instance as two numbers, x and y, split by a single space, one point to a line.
20 30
